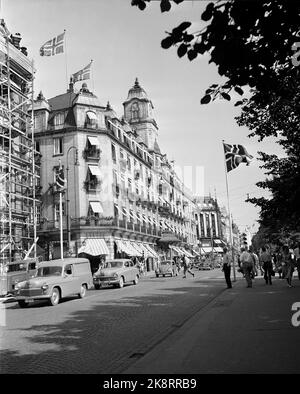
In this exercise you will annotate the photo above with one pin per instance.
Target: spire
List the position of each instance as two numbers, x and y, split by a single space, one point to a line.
136 84
108 107
40 96
71 85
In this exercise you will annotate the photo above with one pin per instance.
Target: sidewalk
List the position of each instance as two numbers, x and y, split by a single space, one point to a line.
243 330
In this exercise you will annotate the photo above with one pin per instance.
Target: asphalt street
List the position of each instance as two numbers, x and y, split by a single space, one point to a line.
107 331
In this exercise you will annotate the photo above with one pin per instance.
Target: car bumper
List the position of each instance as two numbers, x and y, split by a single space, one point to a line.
32 298
106 281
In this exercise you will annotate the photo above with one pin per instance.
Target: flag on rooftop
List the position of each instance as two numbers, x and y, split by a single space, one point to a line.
53 46
85 73
234 155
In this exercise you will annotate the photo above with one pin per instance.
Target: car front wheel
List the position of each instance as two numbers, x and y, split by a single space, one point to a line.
23 304
55 296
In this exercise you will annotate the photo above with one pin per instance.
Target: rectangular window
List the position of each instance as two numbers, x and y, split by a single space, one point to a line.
56 211
128 163
59 119
58 146
121 154
113 153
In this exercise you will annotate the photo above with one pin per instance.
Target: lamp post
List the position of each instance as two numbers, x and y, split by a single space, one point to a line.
68 200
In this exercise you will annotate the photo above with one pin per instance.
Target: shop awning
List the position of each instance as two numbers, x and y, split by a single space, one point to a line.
151 250
93 141
141 247
187 253
94 247
176 249
206 250
218 241
136 251
95 170
96 206
122 247
218 249
196 253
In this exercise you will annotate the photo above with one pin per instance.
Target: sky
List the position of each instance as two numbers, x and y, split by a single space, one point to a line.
124 44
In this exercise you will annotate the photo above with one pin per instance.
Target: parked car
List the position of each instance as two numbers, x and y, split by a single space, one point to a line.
117 273
164 268
16 272
204 266
56 279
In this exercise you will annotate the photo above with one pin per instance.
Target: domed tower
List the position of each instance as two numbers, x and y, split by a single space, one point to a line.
138 113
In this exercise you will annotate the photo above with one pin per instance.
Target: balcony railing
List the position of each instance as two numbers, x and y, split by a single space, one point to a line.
77 223
91 153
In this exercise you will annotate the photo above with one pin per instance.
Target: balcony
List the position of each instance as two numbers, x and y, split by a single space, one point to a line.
91 185
91 153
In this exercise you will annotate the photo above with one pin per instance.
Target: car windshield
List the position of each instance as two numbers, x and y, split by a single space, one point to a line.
49 271
16 267
113 264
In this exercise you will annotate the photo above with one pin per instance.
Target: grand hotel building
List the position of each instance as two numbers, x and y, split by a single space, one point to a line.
123 197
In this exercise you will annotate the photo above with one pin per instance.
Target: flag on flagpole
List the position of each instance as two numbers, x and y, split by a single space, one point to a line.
60 180
85 73
234 155
53 46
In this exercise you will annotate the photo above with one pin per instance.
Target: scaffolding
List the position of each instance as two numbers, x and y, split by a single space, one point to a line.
19 160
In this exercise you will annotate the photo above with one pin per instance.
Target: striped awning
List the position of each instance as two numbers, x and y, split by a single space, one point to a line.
187 253
206 249
176 249
128 248
94 247
151 250
218 249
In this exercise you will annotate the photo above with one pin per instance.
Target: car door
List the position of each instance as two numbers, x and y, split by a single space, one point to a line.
132 270
68 282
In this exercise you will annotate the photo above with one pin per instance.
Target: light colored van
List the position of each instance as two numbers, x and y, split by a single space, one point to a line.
54 280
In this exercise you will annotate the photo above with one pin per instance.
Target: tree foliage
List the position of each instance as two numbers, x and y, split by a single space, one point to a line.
249 41
278 115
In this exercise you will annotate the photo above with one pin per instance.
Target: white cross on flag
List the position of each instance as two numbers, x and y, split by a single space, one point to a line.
53 46
85 73
234 155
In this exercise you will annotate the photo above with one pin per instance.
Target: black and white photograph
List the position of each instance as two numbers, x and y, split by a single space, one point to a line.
149 191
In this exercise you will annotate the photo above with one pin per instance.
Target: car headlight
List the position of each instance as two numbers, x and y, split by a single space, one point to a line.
115 275
17 286
45 287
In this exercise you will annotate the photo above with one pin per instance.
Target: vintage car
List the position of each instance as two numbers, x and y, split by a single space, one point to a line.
204 266
116 272
54 280
164 268
16 272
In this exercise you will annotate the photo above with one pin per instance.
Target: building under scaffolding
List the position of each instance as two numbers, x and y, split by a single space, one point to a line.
19 161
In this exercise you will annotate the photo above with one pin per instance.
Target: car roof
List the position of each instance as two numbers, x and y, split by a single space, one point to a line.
69 260
122 260
166 261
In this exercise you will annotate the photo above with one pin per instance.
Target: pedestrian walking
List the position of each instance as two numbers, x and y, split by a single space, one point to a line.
256 262
266 261
297 258
287 264
227 267
186 266
247 263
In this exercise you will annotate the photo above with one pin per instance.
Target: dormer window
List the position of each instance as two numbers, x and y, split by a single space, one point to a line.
91 120
59 119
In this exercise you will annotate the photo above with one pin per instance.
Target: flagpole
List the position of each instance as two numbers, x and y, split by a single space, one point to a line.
230 223
92 74
66 59
61 222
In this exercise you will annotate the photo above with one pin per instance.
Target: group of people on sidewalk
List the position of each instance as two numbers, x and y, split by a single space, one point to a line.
284 262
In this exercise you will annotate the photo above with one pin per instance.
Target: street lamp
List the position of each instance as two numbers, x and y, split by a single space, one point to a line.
68 200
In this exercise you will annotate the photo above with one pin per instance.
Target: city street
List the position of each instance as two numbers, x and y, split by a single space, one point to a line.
105 332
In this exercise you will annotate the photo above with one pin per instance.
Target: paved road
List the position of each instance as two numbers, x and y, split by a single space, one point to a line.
105 332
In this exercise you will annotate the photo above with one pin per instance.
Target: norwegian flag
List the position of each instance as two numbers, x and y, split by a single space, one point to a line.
53 46
234 155
85 73
60 180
